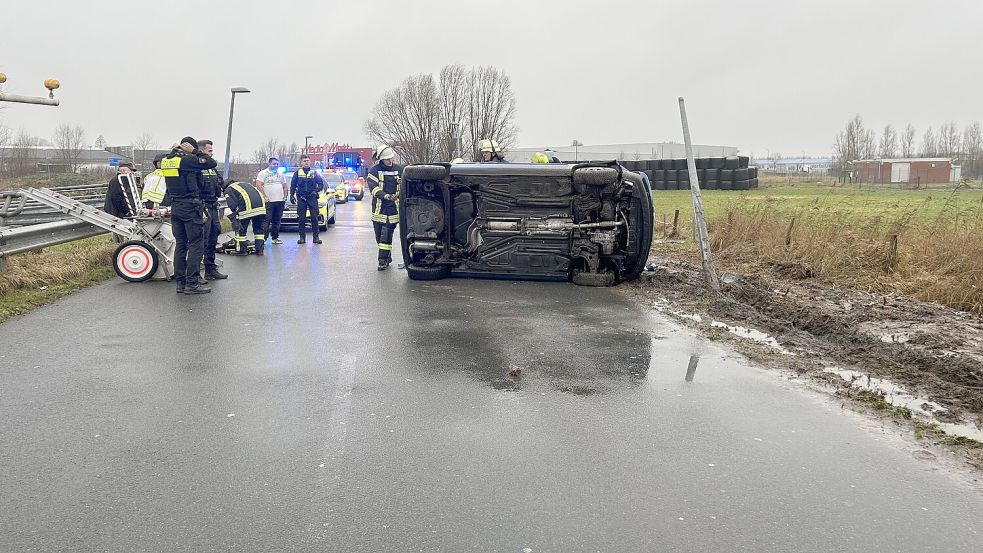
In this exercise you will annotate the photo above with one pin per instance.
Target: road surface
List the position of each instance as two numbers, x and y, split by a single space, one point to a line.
311 403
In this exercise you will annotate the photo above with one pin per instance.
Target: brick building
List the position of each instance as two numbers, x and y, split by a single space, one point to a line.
929 170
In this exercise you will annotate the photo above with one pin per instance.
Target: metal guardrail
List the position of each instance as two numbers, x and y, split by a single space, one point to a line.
34 237
17 211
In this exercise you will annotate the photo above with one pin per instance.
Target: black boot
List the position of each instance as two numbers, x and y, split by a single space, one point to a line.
317 240
180 286
382 265
241 249
193 287
213 273
302 239
259 246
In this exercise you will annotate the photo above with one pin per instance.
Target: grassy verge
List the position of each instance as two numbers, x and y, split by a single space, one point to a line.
31 280
921 243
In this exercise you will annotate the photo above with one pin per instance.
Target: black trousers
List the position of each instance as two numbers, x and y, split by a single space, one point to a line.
213 227
188 228
384 239
305 204
242 230
274 212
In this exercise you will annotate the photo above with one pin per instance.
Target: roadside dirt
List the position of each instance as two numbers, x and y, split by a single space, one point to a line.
835 336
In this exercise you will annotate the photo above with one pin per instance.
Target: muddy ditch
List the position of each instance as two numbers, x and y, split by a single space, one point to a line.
917 362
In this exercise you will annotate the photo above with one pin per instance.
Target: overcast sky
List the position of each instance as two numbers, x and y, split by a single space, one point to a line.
762 75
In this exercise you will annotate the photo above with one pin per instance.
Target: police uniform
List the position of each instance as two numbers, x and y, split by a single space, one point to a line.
382 181
248 207
210 192
182 173
305 186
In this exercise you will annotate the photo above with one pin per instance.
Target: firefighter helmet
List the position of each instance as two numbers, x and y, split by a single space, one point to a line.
384 152
488 145
540 157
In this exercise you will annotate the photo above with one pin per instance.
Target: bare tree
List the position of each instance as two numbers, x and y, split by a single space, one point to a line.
5 137
423 116
973 149
266 150
145 141
101 142
851 142
930 146
70 142
949 140
23 154
908 141
868 144
889 142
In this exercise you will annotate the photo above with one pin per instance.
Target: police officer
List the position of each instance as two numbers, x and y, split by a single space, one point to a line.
248 207
211 190
383 180
305 186
182 169
491 152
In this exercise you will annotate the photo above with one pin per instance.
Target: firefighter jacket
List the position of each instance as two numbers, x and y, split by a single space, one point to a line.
154 188
306 182
211 189
245 201
182 172
384 180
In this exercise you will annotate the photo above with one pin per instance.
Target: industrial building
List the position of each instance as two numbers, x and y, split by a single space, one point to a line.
933 170
636 151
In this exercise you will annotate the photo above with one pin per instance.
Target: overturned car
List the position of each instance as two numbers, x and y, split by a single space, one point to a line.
590 223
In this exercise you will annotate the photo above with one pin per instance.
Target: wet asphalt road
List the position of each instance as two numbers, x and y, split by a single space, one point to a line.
313 404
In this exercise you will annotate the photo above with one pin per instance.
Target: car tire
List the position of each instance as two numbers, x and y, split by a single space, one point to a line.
606 278
423 272
425 172
331 220
595 176
135 261
732 162
740 174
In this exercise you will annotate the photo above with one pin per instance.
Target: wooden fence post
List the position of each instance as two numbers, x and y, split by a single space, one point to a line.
788 233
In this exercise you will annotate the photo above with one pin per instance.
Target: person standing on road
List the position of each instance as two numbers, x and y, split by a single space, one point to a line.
248 207
490 152
211 190
182 169
154 186
121 193
384 180
305 186
273 186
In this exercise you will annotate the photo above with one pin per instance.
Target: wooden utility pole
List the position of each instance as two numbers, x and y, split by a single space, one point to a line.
699 221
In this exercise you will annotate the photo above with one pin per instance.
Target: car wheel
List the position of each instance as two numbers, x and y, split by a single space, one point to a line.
135 261
425 172
425 272
331 220
595 176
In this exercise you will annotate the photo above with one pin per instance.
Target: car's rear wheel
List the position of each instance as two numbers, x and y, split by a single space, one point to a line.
427 272
425 172
605 278
595 176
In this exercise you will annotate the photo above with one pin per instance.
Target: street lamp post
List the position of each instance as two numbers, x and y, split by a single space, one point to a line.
228 138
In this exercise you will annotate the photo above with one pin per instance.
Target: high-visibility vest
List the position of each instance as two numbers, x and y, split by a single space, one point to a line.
169 166
154 187
252 200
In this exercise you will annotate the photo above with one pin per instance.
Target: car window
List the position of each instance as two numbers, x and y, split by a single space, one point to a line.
333 178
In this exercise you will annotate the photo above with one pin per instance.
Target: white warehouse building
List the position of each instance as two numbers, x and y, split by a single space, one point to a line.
639 150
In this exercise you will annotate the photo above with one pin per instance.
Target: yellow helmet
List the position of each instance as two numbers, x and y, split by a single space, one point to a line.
540 157
488 145
384 152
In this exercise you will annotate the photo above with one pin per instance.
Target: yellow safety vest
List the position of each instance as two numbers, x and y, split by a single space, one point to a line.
169 166
154 188
250 210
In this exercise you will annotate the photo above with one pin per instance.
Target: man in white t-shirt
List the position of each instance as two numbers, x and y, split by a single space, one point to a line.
274 187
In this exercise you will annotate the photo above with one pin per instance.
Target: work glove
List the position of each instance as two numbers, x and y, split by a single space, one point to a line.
293 199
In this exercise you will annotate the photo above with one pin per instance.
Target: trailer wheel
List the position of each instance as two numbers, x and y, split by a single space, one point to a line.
135 261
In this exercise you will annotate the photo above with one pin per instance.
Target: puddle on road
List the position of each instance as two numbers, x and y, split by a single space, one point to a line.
662 305
901 397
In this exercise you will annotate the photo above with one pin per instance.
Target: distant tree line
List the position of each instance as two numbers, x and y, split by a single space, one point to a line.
856 142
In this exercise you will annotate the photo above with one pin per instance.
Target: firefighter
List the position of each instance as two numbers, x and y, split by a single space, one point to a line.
384 179
211 191
248 206
182 169
540 157
154 186
305 186
490 152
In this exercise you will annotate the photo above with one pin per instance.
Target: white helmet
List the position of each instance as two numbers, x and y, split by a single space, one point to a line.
457 160
384 152
490 146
